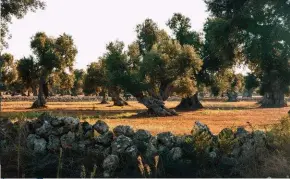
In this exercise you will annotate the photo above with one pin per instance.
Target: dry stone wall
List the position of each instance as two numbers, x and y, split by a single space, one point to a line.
124 152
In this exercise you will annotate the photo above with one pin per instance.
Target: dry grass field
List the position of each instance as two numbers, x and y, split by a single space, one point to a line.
217 115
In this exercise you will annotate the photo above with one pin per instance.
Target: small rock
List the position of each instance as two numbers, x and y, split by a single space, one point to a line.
110 164
199 128
175 153
60 131
89 134
120 145
105 139
166 138
132 152
71 123
67 140
86 127
30 141
123 130
45 130
53 143
101 127
241 132
56 122
40 145
142 135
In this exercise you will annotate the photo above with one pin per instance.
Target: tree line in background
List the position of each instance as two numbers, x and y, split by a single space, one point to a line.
158 65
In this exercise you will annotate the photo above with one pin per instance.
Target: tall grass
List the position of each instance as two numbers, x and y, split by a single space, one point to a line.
59 168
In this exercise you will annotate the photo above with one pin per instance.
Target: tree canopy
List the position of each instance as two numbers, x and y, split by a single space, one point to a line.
260 30
28 72
54 55
17 9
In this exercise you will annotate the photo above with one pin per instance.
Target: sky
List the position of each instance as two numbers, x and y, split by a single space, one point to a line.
94 23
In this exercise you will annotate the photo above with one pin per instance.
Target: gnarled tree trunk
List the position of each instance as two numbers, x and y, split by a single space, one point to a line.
156 107
34 91
274 96
232 96
104 97
190 103
117 99
250 93
42 94
274 99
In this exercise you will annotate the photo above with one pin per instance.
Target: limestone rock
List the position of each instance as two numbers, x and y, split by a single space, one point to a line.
123 130
104 139
175 153
71 123
86 127
120 145
40 146
101 127
45 130
56 122
167 139
110 164
67 140
199 128
30 141
53 143
142 135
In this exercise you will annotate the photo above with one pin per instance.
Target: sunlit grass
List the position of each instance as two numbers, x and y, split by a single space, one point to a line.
217 115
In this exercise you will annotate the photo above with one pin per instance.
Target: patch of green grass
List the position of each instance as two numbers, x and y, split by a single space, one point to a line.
218 111
121 115
23 115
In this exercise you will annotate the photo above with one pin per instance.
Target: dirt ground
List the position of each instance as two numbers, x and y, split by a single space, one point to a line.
217 115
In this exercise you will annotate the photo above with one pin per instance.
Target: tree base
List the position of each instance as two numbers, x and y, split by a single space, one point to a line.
104 102
120 103
267 104
232 97
273 101
156 107
151 113
39 104
190 103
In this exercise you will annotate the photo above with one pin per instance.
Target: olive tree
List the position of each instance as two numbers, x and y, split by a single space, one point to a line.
53 55
96 79
79 76
153 68
181 28
17 9
260 30
9 72
28 73
251 83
